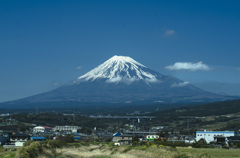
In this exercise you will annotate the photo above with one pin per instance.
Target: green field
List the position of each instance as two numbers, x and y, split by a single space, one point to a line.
213 153
6 154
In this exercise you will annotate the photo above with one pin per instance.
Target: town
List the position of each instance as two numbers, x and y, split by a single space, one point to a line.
13 137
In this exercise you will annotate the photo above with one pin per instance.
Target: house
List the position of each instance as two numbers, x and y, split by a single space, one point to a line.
116 137
152 137
77 137
123 139
157 128
220 140
18 139
233 140
209 136
126 139
4 138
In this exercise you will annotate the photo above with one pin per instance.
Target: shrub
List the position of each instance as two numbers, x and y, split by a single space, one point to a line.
27 143
22 153
200 144
182 156
55 143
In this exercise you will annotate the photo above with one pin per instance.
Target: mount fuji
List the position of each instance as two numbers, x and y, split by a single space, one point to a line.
123 80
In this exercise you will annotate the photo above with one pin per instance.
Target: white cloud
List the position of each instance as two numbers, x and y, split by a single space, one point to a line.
79 67
130 80
188 66
56 84
115 79
168 33
151 80
180 84
121 79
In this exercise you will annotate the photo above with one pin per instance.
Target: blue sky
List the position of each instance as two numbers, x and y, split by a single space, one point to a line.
45 44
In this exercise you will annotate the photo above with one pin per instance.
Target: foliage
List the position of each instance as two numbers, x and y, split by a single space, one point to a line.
55 143
66 139
200 144
28 143
22 153
174 144
86 130
30 150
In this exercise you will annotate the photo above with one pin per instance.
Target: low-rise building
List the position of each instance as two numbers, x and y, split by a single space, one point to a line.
4 138
126 139
41 129
152 137
123 139
116 137
67 128
209 136
18 139
38 138
157 128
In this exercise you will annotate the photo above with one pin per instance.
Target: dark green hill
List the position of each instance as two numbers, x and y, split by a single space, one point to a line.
211 116
207 109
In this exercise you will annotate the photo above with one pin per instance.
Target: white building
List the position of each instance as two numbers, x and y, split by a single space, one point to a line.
39 129
209 135
152 137
67 128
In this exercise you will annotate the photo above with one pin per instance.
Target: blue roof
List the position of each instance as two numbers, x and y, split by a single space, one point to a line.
42 138
77 137
117 134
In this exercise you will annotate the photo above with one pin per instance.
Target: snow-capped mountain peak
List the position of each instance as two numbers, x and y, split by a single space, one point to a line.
120 68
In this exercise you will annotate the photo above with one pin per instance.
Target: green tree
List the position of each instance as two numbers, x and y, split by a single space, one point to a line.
200 144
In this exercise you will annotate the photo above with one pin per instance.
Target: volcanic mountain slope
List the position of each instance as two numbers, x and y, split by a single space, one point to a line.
124 80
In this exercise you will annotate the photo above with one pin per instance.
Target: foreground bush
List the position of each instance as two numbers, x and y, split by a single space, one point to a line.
200 144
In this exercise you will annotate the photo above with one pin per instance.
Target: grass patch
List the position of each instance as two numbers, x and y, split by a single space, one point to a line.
108 151
7 154
210 152
102 157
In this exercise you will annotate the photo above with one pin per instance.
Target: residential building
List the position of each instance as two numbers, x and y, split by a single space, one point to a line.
18 139
4 138
126 139
123 139
116 137
67 128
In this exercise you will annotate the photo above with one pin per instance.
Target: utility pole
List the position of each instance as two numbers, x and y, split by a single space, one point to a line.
188 118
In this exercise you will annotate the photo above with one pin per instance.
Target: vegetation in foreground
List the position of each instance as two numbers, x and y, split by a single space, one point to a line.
55 148
7 154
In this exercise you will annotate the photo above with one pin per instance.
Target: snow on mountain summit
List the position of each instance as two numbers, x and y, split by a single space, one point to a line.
120 69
